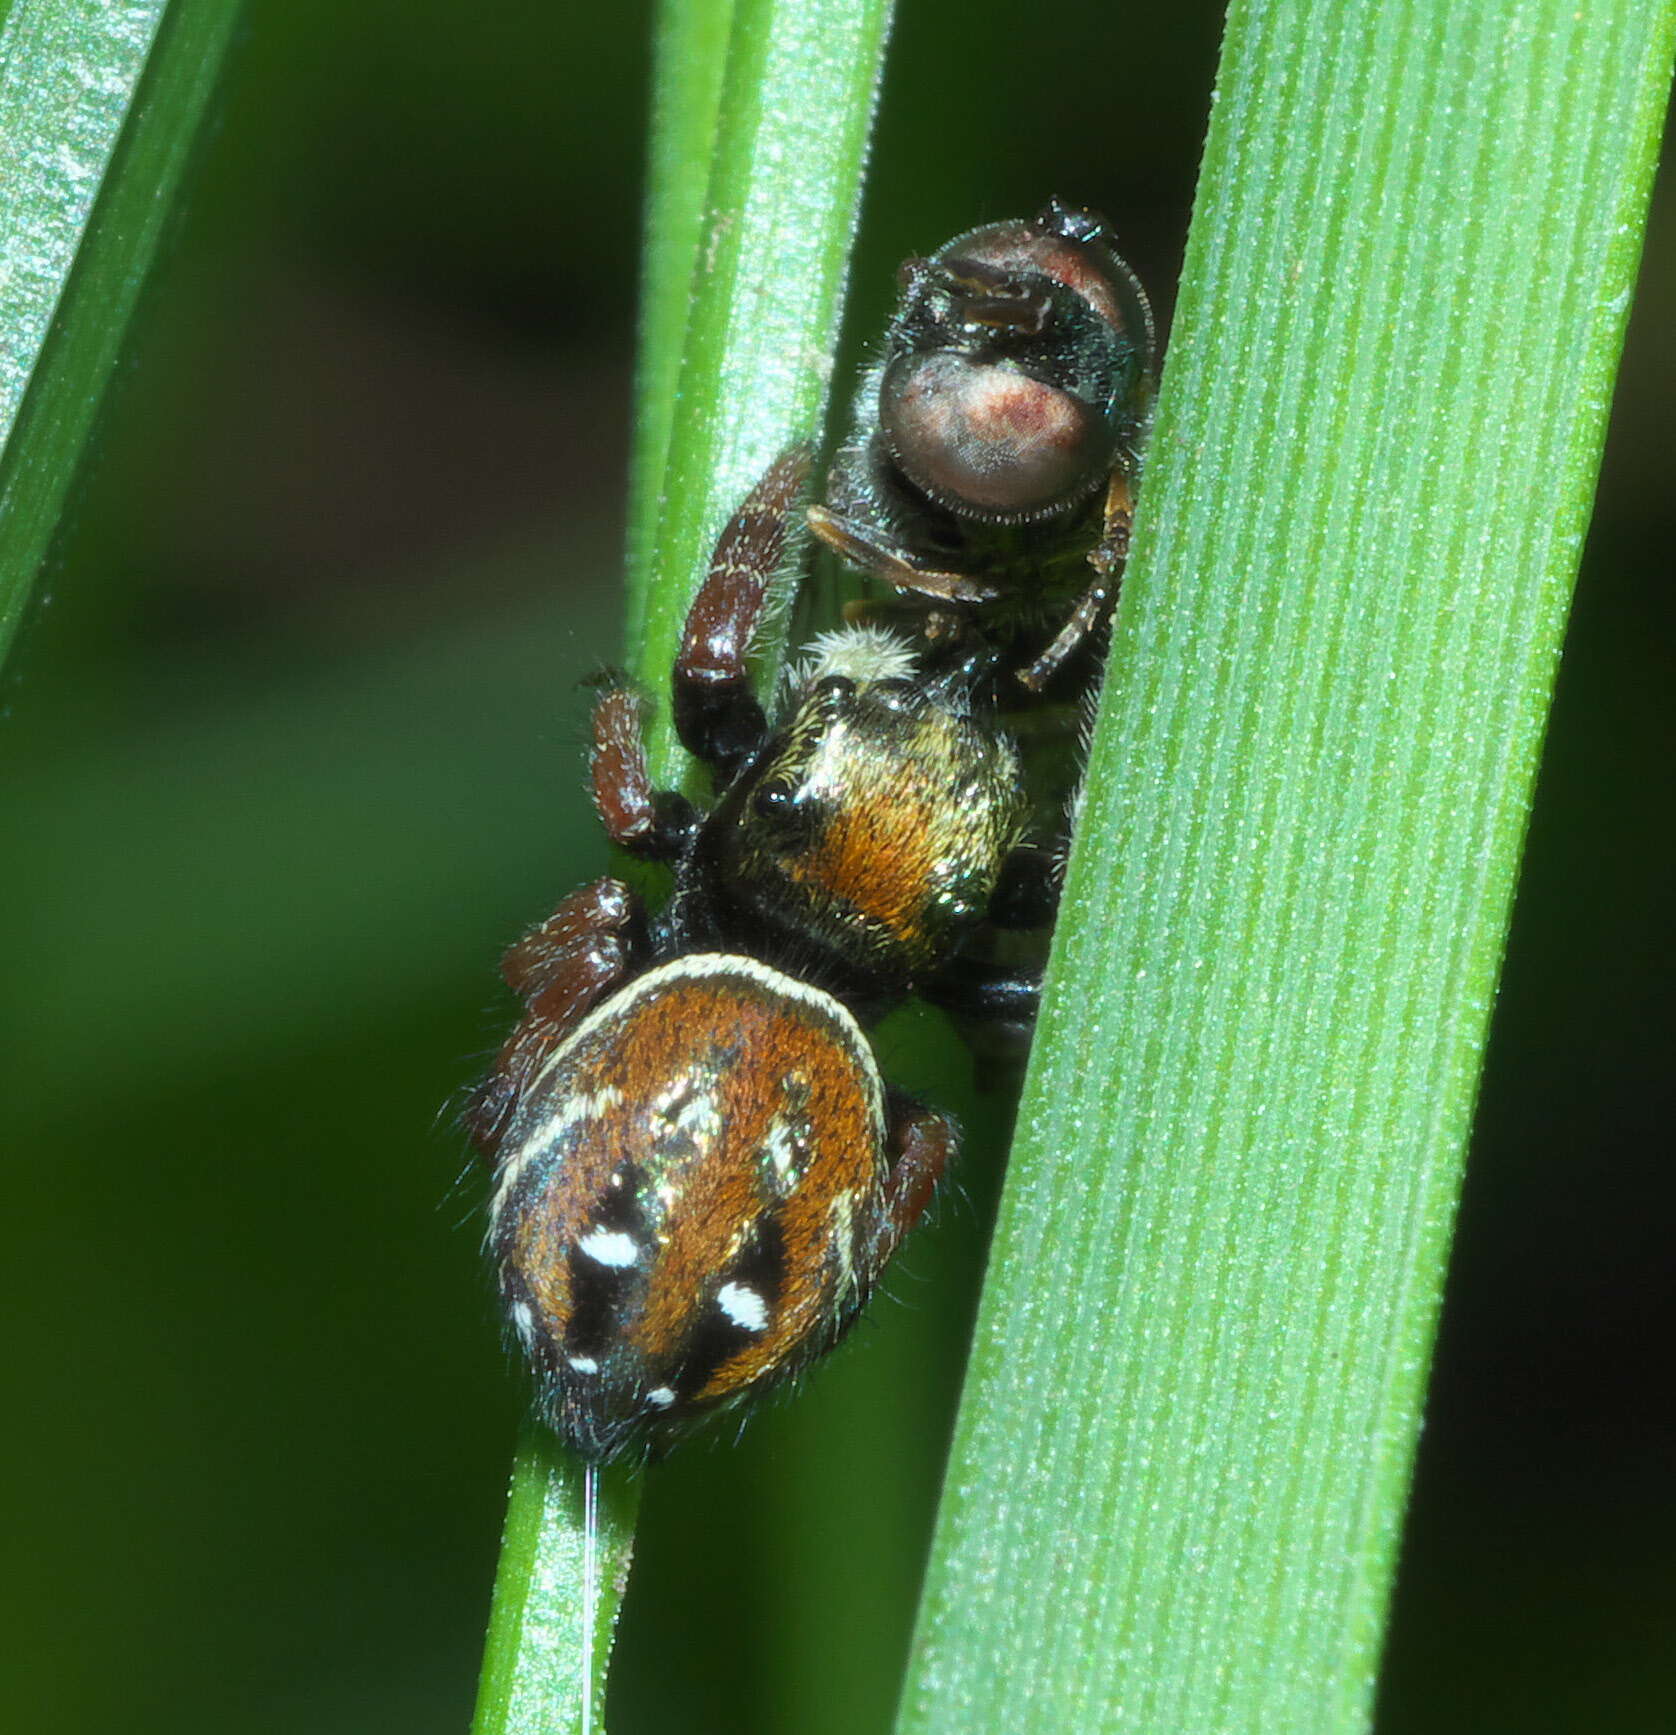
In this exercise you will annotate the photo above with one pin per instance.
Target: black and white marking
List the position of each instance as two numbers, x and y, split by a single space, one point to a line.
607 1267
743 1306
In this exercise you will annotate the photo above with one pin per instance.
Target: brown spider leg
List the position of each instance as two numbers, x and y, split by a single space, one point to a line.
864 548
717 713
561 970
921 1145
596 919
654 824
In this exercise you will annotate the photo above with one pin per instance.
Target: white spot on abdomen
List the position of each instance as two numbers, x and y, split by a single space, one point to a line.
660 1397
583 1364
609 1247
745 1307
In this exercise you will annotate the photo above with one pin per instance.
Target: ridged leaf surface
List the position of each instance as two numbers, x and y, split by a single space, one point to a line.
1185 1440
100 104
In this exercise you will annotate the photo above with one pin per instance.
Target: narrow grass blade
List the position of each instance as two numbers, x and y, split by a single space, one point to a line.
745 271
99 107
540 1650
689 63
1184 1446
766 292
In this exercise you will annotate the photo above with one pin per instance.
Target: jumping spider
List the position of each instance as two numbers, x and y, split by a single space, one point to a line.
699 1171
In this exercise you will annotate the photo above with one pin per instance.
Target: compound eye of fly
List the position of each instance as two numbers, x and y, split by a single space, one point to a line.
984 438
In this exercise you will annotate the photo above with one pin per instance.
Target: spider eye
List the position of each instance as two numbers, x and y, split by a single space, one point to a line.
834 695
784 816
896 693
775 801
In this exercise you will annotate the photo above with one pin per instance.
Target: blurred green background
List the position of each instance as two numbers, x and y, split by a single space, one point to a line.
291 748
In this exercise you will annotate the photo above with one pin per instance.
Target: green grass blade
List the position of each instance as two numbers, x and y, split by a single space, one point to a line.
689 63
767 290
99 107
747 274
1185 1441
537 1651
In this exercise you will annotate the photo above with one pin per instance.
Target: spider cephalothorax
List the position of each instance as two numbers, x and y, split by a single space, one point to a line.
871 831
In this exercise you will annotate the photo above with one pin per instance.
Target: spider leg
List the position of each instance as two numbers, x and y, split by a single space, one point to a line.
561 970
717 713
654 824
921 1145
